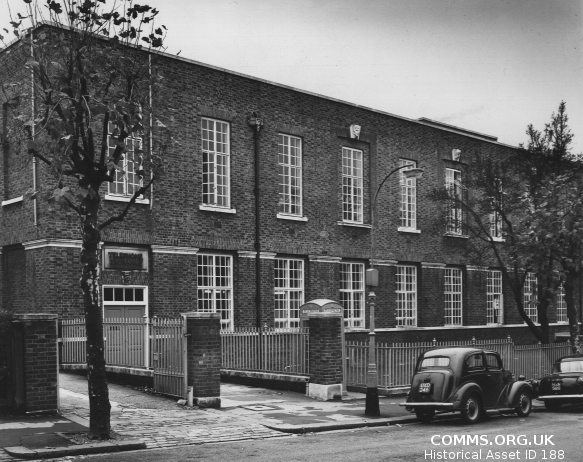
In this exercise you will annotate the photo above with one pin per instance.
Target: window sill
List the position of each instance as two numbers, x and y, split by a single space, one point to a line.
498 239
212 208
284 216
408 230
356 225
459 236
109 197
13 201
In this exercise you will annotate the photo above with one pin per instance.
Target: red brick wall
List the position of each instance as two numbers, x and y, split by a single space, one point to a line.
325 350
40 368
204 355
196 91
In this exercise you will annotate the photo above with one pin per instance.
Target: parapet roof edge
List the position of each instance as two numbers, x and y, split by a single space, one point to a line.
454 129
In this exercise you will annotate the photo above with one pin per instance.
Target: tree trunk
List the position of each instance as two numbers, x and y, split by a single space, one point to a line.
569 286
99 407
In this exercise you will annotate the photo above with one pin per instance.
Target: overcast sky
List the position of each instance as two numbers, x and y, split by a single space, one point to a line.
491 66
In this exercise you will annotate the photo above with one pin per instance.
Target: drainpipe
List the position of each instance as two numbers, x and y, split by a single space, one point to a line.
151 126
32 131
255 122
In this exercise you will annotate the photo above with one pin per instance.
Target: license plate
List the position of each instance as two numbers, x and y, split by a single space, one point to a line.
556 386
425 387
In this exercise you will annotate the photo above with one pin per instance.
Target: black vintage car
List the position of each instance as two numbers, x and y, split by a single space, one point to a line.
564 385
467 380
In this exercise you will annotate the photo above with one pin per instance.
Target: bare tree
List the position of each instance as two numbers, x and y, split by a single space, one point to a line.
92 81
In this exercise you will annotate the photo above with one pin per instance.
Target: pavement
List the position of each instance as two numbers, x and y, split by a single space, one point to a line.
145 420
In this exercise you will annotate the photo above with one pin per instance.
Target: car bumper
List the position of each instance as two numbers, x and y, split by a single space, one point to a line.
432 405
551 397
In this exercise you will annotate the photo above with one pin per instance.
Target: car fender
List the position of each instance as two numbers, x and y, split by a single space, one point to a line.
463 391
515 390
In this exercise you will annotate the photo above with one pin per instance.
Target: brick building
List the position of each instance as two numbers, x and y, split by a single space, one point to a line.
191 244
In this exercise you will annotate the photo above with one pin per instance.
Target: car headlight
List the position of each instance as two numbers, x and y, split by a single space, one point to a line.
579 379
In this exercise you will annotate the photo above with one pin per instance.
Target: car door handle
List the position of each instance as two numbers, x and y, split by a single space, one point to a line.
489 375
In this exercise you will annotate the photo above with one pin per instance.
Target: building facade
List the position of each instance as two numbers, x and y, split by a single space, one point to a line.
192 243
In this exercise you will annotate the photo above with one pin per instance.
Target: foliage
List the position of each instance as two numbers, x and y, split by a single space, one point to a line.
525 216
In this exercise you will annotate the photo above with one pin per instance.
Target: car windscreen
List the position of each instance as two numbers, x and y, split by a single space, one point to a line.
434 362
569 366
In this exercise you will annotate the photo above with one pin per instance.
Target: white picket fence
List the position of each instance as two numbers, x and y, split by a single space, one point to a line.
396 361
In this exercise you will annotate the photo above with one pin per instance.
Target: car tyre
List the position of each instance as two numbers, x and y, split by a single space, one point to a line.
552 406
472 409
524 407
425 415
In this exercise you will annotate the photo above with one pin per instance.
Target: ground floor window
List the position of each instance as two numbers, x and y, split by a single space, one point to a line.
494 298
453 297
352 293
406 295
288 292
215 287
125 302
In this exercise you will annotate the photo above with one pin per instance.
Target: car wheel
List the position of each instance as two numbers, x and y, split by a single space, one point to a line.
425 415
524 404
472 409
552 406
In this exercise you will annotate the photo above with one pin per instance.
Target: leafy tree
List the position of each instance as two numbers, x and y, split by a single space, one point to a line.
93 89
513 214
554 206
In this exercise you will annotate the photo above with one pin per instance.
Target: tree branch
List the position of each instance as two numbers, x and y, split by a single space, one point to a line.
132 201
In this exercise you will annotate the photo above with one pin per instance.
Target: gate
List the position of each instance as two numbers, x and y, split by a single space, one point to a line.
168 348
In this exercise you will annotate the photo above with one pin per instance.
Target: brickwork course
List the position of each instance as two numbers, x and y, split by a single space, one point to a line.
40 267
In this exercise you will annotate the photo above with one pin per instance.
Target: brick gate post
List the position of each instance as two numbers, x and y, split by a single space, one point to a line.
326 346
36 363
203 351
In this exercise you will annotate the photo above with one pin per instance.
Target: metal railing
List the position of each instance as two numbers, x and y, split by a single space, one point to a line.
126 342
536 361
396 361
168 355
266 349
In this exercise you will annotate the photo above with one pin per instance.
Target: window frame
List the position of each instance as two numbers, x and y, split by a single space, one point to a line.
452 312
111 145
352 186
105 302
407 197
405 304
288 321
213 154
227 323
530 297
496 225
455 216
561 306
349 296
285 197
492 283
